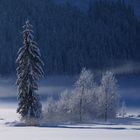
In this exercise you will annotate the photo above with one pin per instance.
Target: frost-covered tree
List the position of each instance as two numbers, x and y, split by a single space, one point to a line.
87 101
64 106
75 105
59 111
108 97
50 111
84 84
29 71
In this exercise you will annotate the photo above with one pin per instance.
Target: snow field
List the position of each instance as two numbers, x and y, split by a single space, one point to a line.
64 132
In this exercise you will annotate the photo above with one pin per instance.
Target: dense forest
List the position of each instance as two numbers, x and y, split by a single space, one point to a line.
107 35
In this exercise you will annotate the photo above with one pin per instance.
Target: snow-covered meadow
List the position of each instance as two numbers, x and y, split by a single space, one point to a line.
119 129
122 129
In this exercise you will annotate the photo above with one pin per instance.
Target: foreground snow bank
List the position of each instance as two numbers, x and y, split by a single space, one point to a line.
110 131
33 133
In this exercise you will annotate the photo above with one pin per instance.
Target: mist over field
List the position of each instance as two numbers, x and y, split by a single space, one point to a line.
128 88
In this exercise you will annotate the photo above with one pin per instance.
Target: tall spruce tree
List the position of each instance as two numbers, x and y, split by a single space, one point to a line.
29 71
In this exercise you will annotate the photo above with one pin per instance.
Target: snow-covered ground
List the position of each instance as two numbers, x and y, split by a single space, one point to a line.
118 130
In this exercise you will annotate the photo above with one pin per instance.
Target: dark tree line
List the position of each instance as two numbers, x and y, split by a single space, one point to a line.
107 35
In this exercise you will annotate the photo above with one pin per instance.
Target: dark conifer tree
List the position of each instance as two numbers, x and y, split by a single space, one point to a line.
29 71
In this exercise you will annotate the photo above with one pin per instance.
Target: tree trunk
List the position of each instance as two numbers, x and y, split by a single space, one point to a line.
81 105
